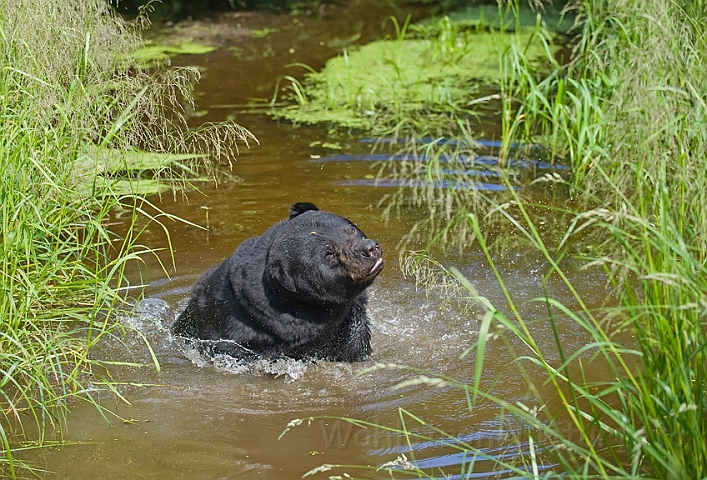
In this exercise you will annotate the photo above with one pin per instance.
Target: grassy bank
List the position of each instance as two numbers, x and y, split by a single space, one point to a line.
629 116
76 114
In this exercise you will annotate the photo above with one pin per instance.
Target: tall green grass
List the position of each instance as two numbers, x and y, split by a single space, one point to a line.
649 420
634 131
628 115
69 93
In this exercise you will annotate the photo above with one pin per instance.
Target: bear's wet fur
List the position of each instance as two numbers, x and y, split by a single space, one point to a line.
298 290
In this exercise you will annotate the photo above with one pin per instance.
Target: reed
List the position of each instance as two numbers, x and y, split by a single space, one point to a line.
629 118
69 93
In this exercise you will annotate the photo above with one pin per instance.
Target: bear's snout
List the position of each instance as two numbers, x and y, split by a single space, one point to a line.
363 261
370 248
372 258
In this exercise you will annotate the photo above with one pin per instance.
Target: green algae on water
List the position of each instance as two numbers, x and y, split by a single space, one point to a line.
263 32
400 77
155 53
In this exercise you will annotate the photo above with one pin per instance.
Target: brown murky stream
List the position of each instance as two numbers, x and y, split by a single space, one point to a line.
198 420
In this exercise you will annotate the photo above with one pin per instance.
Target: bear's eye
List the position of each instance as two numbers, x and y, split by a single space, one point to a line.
330 251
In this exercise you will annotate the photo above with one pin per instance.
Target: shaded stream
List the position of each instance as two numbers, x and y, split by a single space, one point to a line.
199 420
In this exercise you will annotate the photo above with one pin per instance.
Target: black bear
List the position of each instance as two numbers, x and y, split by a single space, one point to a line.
298 291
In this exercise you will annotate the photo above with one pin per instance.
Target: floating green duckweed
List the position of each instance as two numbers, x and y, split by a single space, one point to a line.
441 74
263 32
154 53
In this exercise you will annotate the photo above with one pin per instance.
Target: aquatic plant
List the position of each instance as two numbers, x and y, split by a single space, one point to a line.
630 120
78 118
154 53
423 82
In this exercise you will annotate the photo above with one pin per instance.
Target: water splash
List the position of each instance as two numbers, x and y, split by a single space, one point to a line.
289 368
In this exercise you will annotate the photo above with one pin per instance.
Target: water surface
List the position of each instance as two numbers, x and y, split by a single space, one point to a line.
218 420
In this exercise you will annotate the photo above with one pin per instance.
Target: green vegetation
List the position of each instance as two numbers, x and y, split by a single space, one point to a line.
263 32
424 81
152 53
628 115
75 111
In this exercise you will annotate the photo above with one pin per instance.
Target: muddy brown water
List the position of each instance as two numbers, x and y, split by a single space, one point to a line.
220 420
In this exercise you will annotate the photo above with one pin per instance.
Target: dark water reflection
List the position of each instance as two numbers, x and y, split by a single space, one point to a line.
195 419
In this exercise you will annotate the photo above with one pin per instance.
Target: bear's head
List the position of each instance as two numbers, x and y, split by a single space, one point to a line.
322 258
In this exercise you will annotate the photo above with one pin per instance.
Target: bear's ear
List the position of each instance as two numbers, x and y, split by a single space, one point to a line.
300 207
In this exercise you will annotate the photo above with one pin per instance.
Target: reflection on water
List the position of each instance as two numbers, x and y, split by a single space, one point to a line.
198 418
